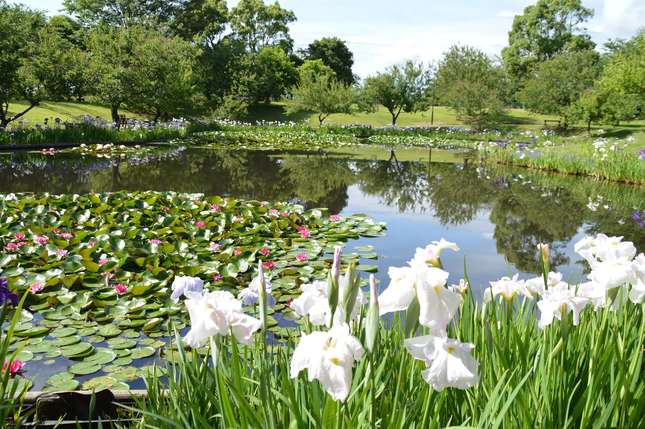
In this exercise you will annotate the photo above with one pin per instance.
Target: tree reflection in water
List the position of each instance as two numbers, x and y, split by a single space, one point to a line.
525 208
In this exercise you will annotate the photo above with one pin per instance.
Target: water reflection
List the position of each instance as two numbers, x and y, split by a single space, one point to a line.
521 208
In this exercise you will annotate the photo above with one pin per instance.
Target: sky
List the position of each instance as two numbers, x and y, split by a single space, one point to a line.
384 32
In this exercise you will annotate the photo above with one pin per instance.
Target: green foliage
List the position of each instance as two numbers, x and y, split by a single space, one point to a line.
399 88
18 25
623 75
559 82
323 95
471 84
544 30
314 69
334 53
163 81
270 73
562 376
260 25
121 13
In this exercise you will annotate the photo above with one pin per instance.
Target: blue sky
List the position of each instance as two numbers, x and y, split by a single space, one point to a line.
384 32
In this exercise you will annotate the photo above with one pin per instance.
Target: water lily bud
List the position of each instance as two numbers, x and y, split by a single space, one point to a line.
372 325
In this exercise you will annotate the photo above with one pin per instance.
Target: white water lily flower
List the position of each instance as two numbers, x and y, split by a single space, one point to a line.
450 362
314 303
251 294
218 313
183 285
432 252
507 287
556 302
437 303
328 357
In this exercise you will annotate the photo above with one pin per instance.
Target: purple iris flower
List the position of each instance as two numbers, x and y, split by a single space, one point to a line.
643 153
639 218
6 294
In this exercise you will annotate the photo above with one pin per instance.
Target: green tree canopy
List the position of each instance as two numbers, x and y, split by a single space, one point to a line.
314 69
559 82
544 30
34 60
269 74
470 83
334 53
261 25
322 94
401 88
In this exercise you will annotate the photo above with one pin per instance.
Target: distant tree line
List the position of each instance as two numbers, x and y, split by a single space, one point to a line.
200 57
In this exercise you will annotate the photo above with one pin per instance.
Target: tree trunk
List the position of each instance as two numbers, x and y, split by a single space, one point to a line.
432 114
589 126
114 110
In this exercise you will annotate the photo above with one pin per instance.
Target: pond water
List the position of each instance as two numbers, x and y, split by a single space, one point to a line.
496 215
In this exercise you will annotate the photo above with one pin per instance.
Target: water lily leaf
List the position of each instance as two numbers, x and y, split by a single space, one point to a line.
84 368
77 351
108 331
142 352
121 343
101 356
63 332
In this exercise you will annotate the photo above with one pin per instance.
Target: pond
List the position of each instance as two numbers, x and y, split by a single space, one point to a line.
496 215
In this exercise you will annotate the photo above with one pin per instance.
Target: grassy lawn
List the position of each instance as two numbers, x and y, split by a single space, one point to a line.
67 111
443 116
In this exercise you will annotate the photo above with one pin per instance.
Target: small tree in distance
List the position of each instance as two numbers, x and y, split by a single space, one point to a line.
322 94
401 88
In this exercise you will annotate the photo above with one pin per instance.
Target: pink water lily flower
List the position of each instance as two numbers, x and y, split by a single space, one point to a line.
61 253
268 265
11 247
285 214
14 368
274 212
20 236
237 252
301 257
120 288
304 232
217 277
155 242
264 251
103 261
216 207
200 224
36 287
214 247
334 218
91 244
66 235
41 240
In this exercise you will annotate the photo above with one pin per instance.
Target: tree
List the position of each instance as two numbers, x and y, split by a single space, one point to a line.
335 54
269 74
121 13
470 83
322 94
399 89
559 82
163 80
544 30
314 69
261 25
111 57
624 73
201 20
33 60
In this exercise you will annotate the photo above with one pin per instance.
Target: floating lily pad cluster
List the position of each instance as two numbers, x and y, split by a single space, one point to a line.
97 270
266 138
109 150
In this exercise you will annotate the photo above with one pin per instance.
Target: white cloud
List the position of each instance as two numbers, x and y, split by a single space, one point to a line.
507 13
